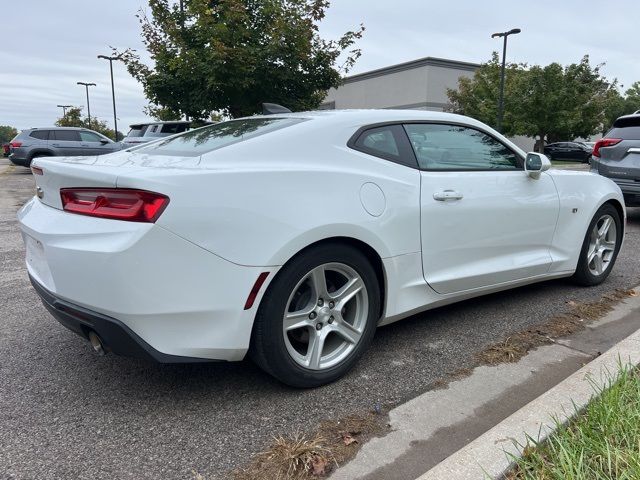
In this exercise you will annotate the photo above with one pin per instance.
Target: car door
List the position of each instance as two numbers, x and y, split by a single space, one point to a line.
94 144
65 142
484 221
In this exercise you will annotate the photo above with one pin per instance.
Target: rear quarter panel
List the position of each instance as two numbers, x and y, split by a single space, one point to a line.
258 210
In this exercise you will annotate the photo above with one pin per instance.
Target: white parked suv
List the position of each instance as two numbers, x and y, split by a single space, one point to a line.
292 237
146 132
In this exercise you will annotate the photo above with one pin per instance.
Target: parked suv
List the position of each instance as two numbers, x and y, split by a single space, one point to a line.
58 142
617 156
145 132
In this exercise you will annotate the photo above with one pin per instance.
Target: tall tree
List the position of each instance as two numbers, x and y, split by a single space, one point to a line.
73 118
548 103
562 103
229 56
7 133
477 96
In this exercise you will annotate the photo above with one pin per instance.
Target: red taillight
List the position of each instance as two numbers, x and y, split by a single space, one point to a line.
114 203
15 144
254 291
37 170
605 142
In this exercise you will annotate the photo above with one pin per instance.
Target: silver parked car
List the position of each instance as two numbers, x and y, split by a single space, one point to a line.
617 156
58 142
145 132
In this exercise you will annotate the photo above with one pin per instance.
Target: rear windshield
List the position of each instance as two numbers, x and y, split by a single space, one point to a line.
625 133
137 131
626 128
206 139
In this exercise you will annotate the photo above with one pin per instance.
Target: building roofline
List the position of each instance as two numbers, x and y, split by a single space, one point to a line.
421 62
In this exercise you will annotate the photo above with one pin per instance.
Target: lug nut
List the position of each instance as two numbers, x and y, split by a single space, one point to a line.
318 326
331 319
320 302
331 304
312 315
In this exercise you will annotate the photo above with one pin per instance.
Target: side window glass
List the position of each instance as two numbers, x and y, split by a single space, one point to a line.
89 137
66 135
379 141
40 134
453 147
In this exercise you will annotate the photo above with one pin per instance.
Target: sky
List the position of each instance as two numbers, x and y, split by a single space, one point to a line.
48 46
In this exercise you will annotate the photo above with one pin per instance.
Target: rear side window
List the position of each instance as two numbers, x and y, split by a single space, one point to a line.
173 128
203 140
379 141
40 134
65 135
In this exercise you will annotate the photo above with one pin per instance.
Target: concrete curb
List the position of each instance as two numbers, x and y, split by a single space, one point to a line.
488 456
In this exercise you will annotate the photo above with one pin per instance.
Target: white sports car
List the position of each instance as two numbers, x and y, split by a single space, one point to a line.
292 237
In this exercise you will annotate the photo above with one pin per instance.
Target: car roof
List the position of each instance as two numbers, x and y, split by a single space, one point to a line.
375 116
60 128
171 122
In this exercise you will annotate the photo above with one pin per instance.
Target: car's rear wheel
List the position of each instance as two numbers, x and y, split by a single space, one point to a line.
318 316
600 247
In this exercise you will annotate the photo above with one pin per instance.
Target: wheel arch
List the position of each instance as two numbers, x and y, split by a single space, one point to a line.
43 152
375 259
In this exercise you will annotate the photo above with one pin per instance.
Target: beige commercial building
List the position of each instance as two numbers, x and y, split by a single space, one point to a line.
417 85
420 84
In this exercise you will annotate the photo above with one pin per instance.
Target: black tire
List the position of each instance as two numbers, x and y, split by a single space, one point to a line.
583 275
268 348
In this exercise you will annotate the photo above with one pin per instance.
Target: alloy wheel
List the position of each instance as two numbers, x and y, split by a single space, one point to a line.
325 316
602 245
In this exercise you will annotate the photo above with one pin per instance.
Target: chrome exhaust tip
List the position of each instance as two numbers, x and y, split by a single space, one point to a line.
96 343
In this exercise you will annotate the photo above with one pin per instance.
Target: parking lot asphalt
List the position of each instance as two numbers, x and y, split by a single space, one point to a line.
67 413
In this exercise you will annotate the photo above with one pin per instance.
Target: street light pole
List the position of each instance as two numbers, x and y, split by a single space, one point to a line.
64 109
113 94
504 61
86 86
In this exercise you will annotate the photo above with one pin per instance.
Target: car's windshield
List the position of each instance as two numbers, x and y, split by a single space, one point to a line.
205 139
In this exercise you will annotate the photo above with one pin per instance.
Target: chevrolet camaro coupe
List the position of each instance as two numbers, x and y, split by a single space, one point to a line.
292 237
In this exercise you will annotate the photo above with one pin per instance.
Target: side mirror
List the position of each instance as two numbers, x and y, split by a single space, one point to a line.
535 164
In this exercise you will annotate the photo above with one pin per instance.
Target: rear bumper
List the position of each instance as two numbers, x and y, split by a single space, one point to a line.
630 190
116 336
141 282
21 162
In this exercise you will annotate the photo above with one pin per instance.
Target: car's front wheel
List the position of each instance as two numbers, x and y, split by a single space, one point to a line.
600 246
318 316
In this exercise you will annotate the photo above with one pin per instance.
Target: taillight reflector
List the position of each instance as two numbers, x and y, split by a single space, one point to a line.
254 291
605 142
114 203
37 170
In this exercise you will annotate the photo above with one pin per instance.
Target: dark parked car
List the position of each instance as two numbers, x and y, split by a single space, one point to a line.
572 151
58 142
5 149
617 156
145 132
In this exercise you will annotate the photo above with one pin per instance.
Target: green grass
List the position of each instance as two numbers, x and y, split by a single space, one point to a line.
602 442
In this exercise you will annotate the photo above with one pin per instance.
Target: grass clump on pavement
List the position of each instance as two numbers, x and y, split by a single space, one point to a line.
602 442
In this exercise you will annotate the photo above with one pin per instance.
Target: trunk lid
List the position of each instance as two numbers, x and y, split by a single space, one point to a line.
96 171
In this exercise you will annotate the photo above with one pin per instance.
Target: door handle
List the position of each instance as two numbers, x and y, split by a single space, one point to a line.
55 144
447 195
